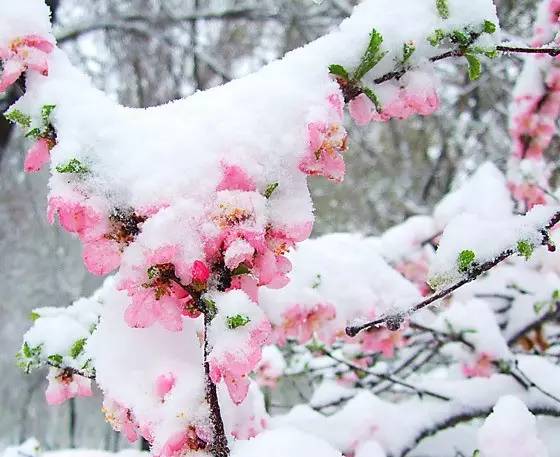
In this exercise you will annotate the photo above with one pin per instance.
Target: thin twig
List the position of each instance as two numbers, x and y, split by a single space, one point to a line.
394 321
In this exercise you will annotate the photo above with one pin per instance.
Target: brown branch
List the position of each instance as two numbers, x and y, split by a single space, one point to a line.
219 446
394 321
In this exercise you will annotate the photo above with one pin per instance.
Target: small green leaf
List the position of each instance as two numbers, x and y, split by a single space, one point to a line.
489 27
34 316
465 260
26 350
371 57
72 166
461 37
442 8
77 348
556 295
475 68
374 98
408 49
46 112
525 248
539 306
18 117
504 366
34 133
55 359
315 346
241 269
210 306
270 189
340 71
476 453
436 37
239 320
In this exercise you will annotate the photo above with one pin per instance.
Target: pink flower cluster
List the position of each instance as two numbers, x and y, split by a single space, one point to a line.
326 143
234 366
483 367
65 384
182 443
382 340
161 289
302 324
103 235
244 242
122 420
405 103
22 54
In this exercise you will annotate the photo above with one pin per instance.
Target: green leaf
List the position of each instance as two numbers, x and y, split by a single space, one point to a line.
374 98
18 117
77 348
475 68
270 189
340 71
371 57
489 27
72 166
26 350
539 306
239 320
461 37
55 359
504 366
408 49
436 37
465 260
476 453
442 8
525 248
46 112
34 133
241 269
210 306
556 295
33 315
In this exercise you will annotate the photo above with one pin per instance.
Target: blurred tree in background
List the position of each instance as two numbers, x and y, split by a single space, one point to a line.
148 52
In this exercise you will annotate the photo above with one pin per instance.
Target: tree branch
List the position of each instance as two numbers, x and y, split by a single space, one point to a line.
394 321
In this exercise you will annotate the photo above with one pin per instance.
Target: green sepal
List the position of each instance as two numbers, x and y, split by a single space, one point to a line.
239 320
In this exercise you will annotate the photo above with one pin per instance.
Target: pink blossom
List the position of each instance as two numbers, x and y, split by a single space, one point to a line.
74 216
164 384
271 270
157 289
235 178
361 109
38 155
182 442
122 420
238 252
326 143
64 384
482 368
234 367
302 324
382 340
101 256
26 53
247 284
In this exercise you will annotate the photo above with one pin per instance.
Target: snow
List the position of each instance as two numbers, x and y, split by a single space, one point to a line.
510 430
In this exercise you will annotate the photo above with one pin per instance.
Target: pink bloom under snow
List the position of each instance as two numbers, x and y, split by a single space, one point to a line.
482 368
164 384
235 178
38 155
326 143
301 324
64 384
122 420
183 442
27 53
382 340
157 289
234 367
